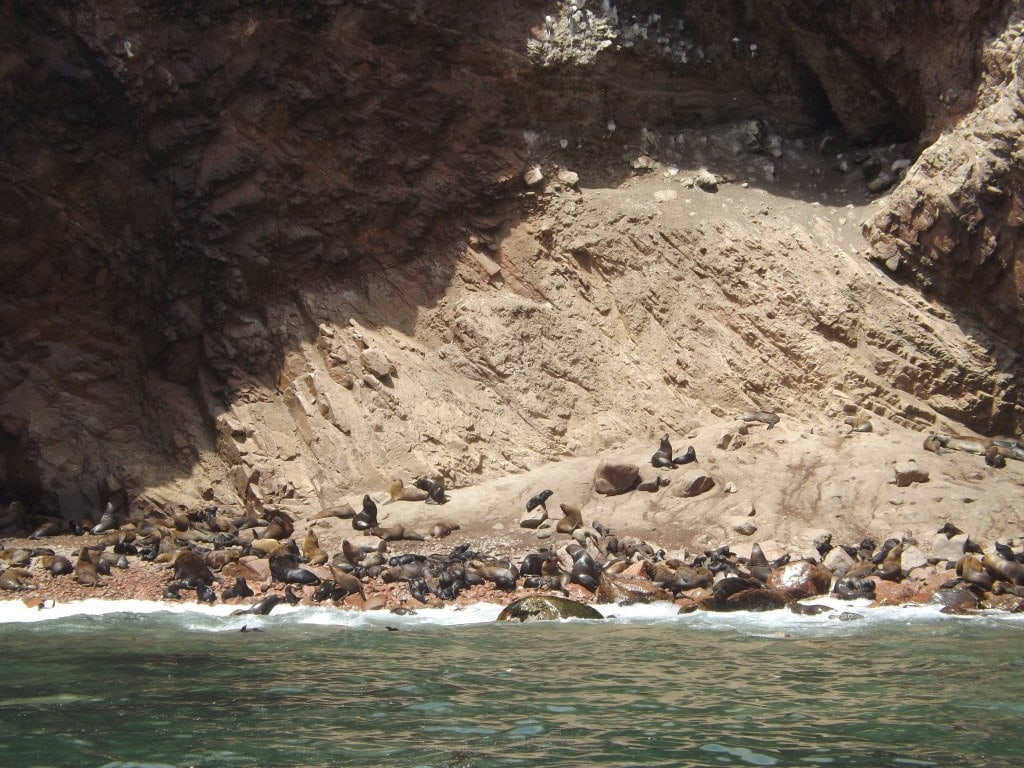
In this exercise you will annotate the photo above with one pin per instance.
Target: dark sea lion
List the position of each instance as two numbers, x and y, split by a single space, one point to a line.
853 588
538 501
205 594
688 457
758 564
106 521
285 568
662 458
434 489
239 589
263 607
366 518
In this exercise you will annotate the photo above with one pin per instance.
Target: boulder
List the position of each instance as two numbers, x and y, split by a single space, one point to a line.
801 579
547 608
615 477
908 472
693 484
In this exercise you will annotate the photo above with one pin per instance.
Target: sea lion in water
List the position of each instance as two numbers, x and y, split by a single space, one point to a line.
366 518
662 458
538 501
434 489
400 492
763 417
263 607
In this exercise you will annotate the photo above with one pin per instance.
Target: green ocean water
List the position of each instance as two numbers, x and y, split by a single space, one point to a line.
319 688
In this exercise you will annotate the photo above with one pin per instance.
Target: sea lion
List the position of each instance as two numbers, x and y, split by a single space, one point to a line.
803 609
205 594
770 418
263 607
400 492
14 579
653 486
218 558
933 443
366 518
573 518
972 571
1003 569
538 501
662 458
49 528
106 521
396 532
190 569
758 564
85 569
58 565
284 568
434 489
311 550
443 528
239 589
281 526
995 458
858 423
688 457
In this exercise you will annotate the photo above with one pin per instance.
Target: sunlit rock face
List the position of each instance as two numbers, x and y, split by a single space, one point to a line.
212 211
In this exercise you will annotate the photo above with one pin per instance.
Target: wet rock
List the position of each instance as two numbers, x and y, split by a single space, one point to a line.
801 579
547 608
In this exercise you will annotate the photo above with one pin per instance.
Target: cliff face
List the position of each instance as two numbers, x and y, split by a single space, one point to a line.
283 250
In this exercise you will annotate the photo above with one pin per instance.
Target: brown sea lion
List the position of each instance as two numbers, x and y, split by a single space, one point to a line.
573 518
311 550
401 492
933 443
58 565
1003 569
858 423
971 570
85 569
770 418
190 569
16 579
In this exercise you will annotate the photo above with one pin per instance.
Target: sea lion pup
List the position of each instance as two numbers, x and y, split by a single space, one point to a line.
662 458
311 550
85 569
538 501
239 589
858 423
190 569
443 528
400 492
281 526
994 457
573 518
284 568
366 518
58 565
1012 448
107 521
763 417
13 579
396 532
434 489
687 458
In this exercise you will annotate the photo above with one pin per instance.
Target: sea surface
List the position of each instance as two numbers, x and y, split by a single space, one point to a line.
143 684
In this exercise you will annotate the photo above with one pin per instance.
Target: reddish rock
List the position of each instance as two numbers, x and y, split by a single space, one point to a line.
801 579
892 592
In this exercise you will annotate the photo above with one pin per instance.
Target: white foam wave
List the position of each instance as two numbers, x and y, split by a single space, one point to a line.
219 618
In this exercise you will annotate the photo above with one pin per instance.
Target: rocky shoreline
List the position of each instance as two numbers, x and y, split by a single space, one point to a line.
255 562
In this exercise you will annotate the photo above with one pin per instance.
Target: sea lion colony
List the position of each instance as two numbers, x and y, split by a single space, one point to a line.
205 550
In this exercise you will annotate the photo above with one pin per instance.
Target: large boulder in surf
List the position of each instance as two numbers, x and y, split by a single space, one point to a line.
547 608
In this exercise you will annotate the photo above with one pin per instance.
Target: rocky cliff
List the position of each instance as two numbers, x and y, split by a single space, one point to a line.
282 252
